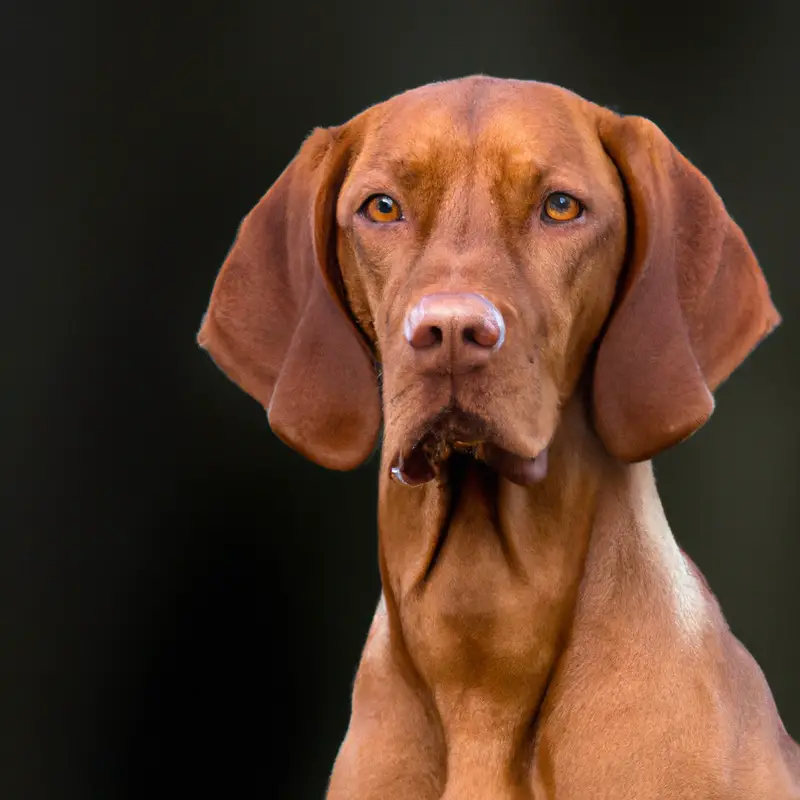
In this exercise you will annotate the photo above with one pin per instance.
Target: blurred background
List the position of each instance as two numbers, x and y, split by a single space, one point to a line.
183 600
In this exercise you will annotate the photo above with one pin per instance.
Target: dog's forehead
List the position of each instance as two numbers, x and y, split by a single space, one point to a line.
520 120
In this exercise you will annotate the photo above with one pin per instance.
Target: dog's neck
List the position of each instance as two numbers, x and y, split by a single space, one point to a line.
482 580
511 531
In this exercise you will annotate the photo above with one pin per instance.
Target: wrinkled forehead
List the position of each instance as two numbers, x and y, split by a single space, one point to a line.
504 124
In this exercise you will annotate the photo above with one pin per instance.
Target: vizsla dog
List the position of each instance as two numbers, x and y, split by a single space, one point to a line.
532 296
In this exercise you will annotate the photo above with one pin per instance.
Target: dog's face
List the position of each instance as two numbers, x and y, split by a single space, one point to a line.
498 205
483 244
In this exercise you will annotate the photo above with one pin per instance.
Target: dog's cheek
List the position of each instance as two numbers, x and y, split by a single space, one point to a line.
357 291
589 303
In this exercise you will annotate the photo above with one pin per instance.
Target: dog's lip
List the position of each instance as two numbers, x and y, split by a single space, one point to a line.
421 462
516 468
412 468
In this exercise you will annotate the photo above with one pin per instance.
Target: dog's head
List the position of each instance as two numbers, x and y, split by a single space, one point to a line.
481 245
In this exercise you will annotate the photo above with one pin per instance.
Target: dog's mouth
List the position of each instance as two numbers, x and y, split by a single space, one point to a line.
425 459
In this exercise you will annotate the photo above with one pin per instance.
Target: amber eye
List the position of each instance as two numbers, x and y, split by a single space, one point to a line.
382 208
562 207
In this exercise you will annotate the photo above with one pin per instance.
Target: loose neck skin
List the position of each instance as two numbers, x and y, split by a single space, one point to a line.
482 578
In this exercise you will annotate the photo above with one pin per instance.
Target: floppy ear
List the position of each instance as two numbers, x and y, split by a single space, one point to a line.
693 305
276 326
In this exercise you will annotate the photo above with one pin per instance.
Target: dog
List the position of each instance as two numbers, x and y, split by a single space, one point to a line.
530 296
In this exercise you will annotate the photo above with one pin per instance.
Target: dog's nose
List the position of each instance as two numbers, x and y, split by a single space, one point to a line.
462 328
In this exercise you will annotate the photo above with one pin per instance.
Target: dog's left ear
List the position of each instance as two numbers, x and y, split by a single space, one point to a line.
277 324
693 302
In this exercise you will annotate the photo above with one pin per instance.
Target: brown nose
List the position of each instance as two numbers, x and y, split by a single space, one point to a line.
458 331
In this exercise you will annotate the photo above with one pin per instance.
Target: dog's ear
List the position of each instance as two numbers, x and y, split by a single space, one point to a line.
276 323
692 305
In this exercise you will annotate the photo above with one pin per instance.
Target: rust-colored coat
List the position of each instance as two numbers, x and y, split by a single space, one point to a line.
540 634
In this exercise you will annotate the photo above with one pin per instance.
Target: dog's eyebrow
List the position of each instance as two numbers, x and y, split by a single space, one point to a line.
409 171
528 177
413 161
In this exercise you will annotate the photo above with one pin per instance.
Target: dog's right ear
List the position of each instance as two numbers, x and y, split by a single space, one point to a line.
276 323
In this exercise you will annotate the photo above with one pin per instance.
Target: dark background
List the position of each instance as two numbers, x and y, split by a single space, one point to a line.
182 599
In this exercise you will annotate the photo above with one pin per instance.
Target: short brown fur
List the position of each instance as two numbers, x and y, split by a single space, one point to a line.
537 641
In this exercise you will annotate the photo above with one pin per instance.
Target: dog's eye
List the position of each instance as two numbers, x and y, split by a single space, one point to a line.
382 208
562 207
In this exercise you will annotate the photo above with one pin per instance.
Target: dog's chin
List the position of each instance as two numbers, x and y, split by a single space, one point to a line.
427 454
